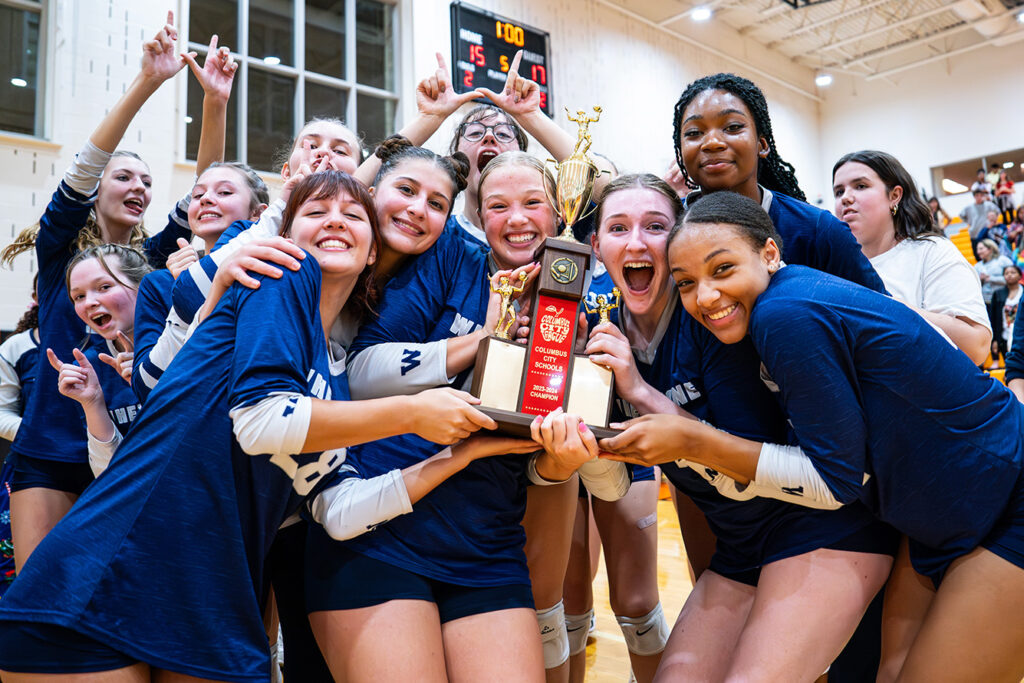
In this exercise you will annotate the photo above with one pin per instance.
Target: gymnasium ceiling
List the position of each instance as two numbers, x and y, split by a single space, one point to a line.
869 39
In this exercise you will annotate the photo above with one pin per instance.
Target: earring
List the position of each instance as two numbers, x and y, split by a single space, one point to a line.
895 207
772 267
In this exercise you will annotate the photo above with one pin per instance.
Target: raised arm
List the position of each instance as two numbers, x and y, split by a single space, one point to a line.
215 76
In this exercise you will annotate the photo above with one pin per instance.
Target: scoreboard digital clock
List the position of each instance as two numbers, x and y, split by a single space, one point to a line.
483 45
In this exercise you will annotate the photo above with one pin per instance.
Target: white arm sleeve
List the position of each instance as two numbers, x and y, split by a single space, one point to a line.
166 348
83 176
396 368
786 473
356 506
100 452
534 476
605 479
268 225
277 425
10 400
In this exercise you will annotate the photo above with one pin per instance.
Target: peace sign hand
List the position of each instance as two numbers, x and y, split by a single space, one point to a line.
122 363
160 61
78 382
435 95
217 72
520 95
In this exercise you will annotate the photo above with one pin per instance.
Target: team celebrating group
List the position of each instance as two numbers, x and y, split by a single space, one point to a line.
277 427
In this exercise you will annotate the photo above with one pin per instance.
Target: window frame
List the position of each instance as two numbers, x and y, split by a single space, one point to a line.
44 76
297 72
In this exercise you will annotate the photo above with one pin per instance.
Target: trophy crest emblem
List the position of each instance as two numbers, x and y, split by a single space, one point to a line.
554 326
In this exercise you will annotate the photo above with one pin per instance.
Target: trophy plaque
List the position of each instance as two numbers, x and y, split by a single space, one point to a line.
515 383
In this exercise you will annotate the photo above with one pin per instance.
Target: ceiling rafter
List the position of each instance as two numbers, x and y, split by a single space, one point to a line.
994 40
882 29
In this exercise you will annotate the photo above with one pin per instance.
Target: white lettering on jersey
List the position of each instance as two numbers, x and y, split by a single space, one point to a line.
681 394
462 326
304 478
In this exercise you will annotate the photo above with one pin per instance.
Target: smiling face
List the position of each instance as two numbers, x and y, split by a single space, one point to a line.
719 275
103 303
631 241
720 144
984 253
220 197
412 203
124 193
865 204
515 213
481 151
336 231
324 139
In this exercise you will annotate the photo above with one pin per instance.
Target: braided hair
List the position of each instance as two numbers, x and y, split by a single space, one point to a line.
773 172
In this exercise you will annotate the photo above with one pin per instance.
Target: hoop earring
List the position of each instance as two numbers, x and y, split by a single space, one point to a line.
895 208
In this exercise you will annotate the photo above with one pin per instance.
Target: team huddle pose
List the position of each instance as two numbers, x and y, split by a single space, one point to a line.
275 428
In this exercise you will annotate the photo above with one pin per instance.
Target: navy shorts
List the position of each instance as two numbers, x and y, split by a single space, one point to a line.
1007 536
878 538
338 578
31 647
39 473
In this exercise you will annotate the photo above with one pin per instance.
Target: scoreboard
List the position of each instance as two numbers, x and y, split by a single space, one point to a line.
483 45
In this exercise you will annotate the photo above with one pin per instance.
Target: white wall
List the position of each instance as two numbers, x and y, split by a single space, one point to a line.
948 111
635 72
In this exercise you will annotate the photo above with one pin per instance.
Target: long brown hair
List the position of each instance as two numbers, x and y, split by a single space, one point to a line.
324 185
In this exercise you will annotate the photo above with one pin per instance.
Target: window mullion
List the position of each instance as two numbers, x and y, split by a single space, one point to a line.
350 64
299 59
243 83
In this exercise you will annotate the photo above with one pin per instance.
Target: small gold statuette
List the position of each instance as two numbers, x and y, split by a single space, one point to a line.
507 290
576 176
604 306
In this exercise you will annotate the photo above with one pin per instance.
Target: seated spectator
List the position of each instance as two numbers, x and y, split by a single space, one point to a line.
976 215
1005 301
995 230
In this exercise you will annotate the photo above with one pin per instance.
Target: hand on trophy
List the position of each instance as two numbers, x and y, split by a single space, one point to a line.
568 443
435 95
519 96
447 415
610 348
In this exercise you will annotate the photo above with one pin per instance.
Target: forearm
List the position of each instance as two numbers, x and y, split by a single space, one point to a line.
393 368
1017 387
97 420
969 336
731 455
212 134
649 401
426 475
339 424
461 351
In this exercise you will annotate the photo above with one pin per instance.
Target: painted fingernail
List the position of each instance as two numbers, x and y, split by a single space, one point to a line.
584 427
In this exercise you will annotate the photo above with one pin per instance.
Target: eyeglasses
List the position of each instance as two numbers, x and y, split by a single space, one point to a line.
475 131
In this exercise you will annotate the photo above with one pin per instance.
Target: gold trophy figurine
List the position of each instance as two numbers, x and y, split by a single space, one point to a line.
507 310
576 176
603 306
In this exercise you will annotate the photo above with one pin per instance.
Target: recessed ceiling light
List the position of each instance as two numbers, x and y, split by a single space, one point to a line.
19 82
188 119
701 13
1020 17
272 61
823 80
1008 164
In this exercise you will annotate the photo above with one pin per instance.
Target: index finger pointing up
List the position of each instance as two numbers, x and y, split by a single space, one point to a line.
513 71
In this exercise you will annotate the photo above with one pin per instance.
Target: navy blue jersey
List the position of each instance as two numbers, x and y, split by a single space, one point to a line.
122 403
187 296
162 556
20 353
151 308
51 427
872 389
467 530
814 237
459 226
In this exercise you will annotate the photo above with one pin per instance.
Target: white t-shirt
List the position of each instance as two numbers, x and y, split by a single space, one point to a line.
933 275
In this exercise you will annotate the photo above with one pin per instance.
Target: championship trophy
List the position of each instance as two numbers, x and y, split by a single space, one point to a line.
515 383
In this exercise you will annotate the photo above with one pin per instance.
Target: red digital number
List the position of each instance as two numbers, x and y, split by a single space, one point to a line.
543 100
467 79
476 55
539 74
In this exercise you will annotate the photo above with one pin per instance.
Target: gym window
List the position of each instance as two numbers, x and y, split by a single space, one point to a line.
296 60
21 43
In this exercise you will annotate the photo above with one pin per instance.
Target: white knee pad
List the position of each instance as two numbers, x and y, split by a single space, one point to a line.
646 635
553 638
577 627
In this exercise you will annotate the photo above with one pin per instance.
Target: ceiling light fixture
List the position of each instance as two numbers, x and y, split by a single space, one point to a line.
701 13
272 61
19 82
823 79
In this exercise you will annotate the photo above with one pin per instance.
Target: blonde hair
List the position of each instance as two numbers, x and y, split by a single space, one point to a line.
517 159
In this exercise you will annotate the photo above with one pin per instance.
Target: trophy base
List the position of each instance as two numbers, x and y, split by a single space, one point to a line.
518 424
